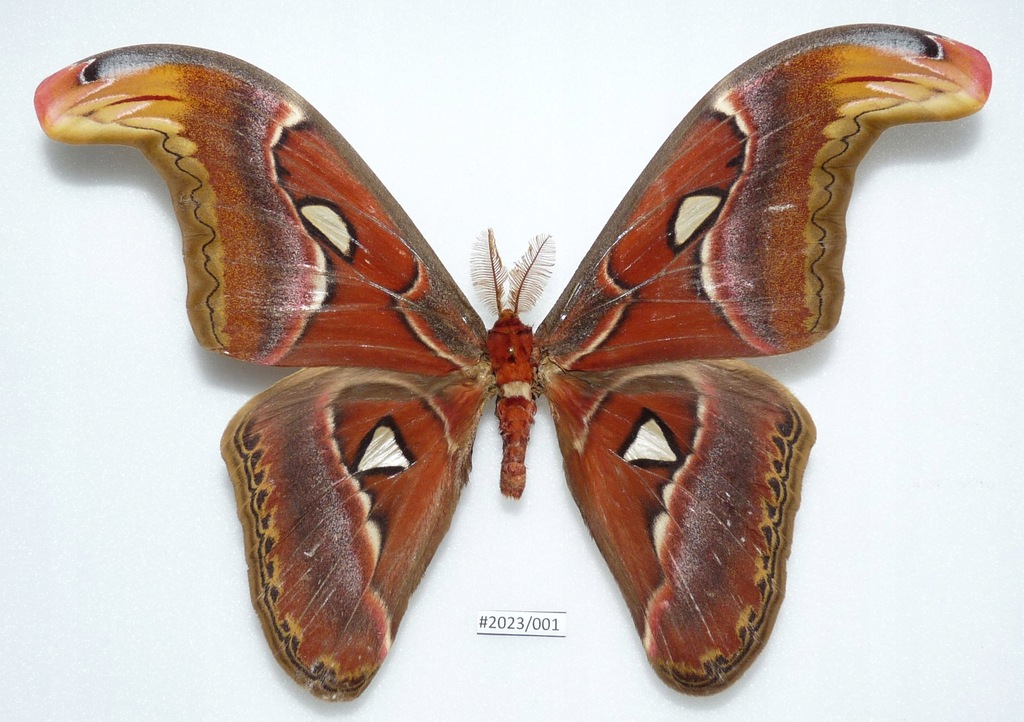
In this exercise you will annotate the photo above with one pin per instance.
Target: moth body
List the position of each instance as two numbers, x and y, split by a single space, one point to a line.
510 347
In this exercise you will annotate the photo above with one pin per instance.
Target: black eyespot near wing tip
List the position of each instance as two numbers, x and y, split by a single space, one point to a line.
90 73
932 48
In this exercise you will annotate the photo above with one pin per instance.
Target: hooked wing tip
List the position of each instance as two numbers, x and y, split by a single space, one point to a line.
50 97
976 66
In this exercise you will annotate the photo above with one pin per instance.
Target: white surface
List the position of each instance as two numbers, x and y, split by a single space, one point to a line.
123 590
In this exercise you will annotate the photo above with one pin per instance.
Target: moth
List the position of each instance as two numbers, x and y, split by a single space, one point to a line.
685 463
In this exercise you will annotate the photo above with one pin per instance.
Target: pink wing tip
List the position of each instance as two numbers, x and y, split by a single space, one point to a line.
976 66
51 98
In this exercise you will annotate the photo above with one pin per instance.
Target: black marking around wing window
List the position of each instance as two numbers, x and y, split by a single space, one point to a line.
646 416
364 446
317 231
700 230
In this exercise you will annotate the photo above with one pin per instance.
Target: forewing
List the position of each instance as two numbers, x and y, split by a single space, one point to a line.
730 243
688 476
346 480
295 253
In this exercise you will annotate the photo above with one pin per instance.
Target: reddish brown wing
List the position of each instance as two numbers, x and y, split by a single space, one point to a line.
295 253
346 481
730 242
688 476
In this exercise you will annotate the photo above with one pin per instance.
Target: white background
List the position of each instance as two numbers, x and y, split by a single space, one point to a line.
123 591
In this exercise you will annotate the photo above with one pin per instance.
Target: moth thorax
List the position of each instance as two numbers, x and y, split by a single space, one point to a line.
510 348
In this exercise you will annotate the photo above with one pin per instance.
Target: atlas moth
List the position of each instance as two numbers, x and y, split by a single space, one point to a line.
685 463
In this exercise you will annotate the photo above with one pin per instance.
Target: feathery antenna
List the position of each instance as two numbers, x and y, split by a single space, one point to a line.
531 274
488 273
500 290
